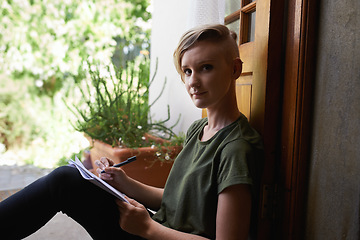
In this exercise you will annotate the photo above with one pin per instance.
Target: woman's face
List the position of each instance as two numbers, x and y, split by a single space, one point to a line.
207 74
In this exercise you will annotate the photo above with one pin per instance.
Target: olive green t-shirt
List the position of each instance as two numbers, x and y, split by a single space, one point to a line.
203 170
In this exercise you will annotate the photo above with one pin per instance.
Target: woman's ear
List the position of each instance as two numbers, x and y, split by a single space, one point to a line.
237 68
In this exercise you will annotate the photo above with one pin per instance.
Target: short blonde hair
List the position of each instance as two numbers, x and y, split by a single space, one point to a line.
215 33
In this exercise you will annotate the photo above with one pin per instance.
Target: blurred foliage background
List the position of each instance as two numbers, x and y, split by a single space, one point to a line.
44 45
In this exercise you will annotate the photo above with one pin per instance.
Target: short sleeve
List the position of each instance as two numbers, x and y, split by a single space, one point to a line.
234 165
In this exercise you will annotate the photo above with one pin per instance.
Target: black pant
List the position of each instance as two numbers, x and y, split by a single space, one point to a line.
62 190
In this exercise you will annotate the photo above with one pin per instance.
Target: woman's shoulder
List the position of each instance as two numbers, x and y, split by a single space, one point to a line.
240 132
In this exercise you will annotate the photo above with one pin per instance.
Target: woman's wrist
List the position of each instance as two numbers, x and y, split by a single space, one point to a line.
152 230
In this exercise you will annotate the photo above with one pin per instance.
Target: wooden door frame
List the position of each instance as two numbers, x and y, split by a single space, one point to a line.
299 74
286 126
269 35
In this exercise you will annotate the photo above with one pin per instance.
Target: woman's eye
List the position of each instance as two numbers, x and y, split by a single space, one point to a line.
187 72
207 67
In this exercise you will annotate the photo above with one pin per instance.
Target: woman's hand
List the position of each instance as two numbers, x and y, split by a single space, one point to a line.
148 195
114 176
103 163
134 217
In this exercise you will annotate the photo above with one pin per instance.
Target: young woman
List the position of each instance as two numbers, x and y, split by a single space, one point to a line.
211 191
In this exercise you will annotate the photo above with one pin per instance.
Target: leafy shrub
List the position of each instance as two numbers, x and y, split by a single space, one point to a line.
43 46
115 108
48 41
35 130
17 123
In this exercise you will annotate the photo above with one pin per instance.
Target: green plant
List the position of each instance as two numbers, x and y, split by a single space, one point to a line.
65 159
16 127
47 41
116 109
43 45
34 130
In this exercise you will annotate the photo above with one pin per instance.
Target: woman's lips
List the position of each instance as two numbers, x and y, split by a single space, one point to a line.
198 94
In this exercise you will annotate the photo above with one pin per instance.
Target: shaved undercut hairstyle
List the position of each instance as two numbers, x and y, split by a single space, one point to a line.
214 33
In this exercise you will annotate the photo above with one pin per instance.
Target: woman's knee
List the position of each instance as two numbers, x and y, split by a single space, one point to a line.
64 179
63 174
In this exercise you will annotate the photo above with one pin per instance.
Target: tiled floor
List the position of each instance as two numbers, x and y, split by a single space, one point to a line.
16 177
60 227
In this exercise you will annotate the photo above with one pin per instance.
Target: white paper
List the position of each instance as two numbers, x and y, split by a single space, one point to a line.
86 174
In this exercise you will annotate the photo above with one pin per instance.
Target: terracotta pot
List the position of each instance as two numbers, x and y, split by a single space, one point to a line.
146 169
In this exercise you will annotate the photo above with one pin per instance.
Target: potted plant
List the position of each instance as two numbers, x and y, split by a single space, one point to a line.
114 114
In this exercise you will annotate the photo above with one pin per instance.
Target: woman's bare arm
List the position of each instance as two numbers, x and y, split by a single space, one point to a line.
233 218
233 214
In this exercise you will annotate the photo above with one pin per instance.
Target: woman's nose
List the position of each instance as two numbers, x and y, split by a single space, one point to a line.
194 80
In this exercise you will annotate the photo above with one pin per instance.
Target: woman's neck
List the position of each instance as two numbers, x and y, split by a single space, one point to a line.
218 120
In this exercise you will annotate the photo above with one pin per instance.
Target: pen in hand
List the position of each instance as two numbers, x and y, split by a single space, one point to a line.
129 160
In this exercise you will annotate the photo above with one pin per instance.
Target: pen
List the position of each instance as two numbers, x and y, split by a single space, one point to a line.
129 160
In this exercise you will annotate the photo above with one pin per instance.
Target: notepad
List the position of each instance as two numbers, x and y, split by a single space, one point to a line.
86 174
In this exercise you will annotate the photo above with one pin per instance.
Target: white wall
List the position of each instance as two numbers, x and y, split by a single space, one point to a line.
171 18
168 24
